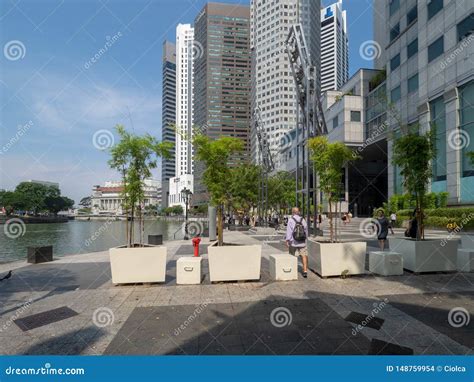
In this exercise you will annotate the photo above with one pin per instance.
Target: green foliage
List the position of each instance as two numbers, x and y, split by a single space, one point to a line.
470 155
173 210
442 199
429 201
281 190
328 160
407 202
244 186
34 197
201 209
134 157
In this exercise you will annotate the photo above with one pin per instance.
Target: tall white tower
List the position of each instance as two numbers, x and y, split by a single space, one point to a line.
334 47
273 90
184 98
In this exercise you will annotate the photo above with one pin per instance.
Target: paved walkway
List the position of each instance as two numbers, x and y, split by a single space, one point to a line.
70 306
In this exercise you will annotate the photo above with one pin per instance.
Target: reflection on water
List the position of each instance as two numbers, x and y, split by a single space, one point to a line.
79 237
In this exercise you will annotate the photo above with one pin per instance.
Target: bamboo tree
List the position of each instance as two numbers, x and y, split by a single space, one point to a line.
216 156
329 160
134 157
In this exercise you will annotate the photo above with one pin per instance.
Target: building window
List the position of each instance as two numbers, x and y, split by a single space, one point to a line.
466 117
412 15
394 6
335 122
395 94
412 48
466 27
436 49
355 116
434 6
395 62
438 121
413 83
394 32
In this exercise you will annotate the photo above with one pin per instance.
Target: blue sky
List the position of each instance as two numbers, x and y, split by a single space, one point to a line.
47 78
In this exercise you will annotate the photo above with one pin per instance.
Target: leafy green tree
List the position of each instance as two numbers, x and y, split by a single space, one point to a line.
244 186
281 190
86 202
35 195
12 201
216 156
329 160
134 157
56 204
413 153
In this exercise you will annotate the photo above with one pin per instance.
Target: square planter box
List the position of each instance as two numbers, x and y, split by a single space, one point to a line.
188 270
386 263
283 267
155 239
36 255
138 265
466 260
233 263
467 241
431 255
332 259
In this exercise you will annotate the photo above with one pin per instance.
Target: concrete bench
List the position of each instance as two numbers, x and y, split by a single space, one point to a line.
386 263
188 270
466 260
283 267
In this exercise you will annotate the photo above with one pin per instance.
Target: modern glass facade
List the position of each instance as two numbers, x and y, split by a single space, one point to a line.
222 77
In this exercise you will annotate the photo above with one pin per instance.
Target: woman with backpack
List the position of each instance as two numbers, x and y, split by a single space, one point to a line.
296 235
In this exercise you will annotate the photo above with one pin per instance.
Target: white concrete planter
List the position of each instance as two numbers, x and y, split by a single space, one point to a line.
283 267
430 255
386 263
466 260
332 259
188 270
229 263
467 241
138 265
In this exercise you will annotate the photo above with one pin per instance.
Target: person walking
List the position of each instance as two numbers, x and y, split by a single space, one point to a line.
382 229
393 221
296 236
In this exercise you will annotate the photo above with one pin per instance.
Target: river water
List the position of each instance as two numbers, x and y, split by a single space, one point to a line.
76 237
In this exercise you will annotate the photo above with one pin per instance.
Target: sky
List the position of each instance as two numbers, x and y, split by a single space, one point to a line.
58 107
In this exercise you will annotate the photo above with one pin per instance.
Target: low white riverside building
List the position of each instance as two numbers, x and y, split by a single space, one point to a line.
108 199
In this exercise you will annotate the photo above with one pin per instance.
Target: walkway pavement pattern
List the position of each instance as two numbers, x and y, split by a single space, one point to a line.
70 306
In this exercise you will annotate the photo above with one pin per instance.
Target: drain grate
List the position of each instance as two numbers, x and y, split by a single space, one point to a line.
379 347
66 288
45 318
365 320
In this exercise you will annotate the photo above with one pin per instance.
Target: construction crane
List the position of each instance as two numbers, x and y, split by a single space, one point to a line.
266 163
312 118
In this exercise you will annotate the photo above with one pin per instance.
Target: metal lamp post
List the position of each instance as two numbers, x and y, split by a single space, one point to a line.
185 194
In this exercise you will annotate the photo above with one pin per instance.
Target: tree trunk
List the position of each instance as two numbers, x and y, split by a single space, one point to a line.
220 227
331 232
132 222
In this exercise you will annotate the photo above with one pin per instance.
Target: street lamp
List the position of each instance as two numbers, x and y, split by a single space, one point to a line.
185 194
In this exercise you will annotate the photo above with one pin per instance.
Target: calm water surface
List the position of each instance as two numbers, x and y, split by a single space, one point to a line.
76 237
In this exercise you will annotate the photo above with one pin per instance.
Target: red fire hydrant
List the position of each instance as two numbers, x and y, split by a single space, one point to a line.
196 240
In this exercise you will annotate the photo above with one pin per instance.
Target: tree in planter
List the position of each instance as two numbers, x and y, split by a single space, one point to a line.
244 186
413 153
217 175
134 157
328 160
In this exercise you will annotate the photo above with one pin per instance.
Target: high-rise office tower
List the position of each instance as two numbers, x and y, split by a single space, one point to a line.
185 50
273 90
168 104
427 51
221 76
334 47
